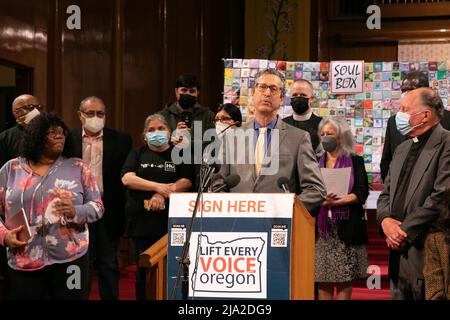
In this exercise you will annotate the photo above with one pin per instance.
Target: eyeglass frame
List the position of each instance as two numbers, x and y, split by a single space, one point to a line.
223 119
272 90
30 107
92 114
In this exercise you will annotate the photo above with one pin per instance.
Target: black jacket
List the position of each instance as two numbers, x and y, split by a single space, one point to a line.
9 144
354 230
394 138
311 126
116 146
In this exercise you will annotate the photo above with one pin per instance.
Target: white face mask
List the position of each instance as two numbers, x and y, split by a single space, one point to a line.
94 124
31 115
220 127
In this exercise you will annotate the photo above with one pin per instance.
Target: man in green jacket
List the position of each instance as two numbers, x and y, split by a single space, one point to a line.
182 113
186 115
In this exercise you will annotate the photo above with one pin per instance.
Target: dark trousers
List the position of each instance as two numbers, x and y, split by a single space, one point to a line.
3 273
103 257
65 281
404 290
140 244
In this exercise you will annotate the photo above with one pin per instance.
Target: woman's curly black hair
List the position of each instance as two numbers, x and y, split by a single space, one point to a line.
443 223
35 136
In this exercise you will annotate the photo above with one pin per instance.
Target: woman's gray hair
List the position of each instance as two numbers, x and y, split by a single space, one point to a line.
153 117
344 134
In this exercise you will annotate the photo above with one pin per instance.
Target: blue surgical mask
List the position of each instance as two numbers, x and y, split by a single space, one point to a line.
402 122
157 138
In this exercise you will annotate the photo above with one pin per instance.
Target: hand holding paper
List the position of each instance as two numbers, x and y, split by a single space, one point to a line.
336 180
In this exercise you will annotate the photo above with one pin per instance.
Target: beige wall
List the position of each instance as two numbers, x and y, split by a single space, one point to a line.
298 43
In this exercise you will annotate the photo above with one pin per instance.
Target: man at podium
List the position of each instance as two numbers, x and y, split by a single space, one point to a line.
269 155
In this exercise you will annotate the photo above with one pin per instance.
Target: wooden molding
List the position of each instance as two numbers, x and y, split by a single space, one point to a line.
386 35
430 9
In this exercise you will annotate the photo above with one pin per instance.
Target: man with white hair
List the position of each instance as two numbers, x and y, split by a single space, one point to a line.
414 190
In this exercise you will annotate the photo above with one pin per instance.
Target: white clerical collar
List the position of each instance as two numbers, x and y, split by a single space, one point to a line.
302 117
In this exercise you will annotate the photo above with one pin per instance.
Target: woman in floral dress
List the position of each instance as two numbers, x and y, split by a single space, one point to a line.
59 197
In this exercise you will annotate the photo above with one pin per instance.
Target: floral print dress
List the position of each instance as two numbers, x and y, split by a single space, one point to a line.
54 239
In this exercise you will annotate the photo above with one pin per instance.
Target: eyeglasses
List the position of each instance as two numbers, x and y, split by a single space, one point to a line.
223 119
53 133
91 114
30 107
262 87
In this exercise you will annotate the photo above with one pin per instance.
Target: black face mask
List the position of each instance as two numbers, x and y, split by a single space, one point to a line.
300 104
187 101
329 143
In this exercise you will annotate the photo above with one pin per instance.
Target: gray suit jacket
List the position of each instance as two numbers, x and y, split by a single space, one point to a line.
424 197
296 161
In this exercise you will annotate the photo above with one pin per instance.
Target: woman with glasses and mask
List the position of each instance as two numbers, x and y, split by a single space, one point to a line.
54 197
340 254
151 176
228 116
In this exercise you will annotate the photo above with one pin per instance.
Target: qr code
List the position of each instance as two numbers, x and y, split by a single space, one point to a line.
177 239
279 239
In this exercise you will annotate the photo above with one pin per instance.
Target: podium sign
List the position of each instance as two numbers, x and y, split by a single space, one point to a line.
240 245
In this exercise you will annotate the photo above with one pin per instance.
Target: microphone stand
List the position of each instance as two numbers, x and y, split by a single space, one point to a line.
205 172
229 126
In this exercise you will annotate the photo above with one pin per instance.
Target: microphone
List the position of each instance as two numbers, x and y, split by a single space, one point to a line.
236 123
283 183
209 171
229 182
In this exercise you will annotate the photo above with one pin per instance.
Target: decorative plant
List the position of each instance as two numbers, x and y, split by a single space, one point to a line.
277 11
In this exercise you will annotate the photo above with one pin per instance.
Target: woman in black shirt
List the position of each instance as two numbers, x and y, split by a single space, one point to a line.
151 176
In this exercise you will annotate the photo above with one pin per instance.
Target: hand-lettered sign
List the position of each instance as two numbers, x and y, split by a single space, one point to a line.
347 77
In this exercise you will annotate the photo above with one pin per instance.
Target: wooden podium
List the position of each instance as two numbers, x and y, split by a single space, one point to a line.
302 259
302 253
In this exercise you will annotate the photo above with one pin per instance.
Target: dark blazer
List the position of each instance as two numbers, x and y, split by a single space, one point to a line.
423 201
116 146
10 143
354 230
437 267
394 138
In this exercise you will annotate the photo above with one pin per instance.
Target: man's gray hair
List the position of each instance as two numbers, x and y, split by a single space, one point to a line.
343 132
90 98
431 98
274 72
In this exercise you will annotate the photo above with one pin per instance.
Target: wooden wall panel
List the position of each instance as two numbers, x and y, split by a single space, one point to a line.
129 53
23 39
177 37
87 66
339 37
142 65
